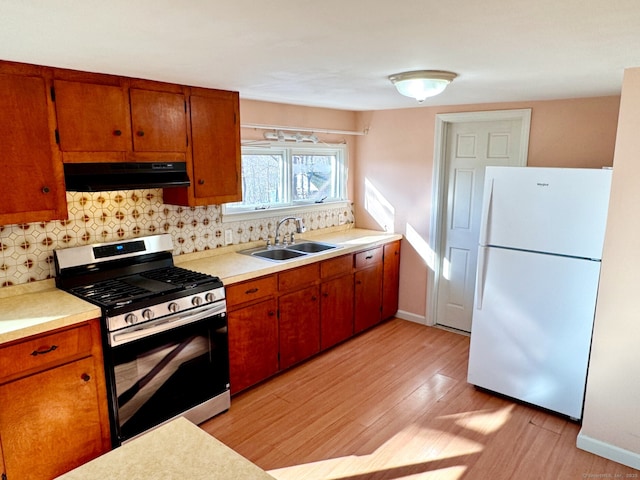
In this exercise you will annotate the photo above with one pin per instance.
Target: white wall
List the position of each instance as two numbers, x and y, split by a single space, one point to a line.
611 422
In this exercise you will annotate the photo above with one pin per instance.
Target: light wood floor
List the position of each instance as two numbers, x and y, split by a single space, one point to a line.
394 403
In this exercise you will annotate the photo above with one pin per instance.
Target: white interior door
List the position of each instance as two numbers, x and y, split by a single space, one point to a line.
469 148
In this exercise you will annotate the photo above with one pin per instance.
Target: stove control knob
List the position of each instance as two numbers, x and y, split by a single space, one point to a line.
210 297
196 301
173 307
147 314
131 318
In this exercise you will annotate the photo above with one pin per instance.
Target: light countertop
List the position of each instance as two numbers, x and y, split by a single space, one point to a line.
176 450
233 267
39 307
35 310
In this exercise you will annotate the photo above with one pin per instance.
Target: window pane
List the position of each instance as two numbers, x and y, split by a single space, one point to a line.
314 177
262 180
285 176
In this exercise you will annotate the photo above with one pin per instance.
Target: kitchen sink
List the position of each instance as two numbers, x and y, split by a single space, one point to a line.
282 253
311 247
278 254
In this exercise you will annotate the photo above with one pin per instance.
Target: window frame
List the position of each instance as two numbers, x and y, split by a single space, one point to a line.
289 150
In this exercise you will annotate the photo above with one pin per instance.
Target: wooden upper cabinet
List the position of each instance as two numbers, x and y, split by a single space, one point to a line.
158 120
108 122
32 181
215 133
92 117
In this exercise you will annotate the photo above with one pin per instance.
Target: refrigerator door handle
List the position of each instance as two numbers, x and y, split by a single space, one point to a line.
487 202
480 279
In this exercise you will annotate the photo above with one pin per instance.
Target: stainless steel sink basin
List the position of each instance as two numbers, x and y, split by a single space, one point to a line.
281 253
278 254
311 247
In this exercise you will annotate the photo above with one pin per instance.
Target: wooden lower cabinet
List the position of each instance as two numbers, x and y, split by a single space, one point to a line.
336 311
368 289
390 279
253 344
368 297
54 426
53 417
299 326
280 320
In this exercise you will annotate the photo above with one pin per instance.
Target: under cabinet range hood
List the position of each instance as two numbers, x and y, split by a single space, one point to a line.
102 177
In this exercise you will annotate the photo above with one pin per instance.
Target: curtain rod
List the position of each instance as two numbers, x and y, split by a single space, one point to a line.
302 129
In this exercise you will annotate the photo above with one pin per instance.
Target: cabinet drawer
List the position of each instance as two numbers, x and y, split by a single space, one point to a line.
251 290
368 257
298 277
336 266
45 351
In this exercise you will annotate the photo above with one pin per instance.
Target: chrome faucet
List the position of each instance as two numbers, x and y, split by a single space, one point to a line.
299 227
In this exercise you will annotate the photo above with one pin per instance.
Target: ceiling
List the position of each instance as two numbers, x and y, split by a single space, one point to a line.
337 53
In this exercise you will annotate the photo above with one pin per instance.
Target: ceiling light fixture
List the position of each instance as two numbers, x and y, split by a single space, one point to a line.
422 84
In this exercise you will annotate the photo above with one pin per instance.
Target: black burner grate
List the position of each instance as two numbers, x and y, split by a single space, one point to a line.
146 285
179 277
109 291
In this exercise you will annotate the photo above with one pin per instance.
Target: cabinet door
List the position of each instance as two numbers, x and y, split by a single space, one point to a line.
50 422
3 471
92 117
32 182
158 120
215 136
390 279
368 297
336 311
253 344
299 326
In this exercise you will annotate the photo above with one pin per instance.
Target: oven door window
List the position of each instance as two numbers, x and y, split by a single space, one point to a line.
164 375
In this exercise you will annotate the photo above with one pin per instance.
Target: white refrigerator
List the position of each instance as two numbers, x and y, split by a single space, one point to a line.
541 238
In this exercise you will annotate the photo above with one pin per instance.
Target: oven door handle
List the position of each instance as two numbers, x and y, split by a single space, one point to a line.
165 323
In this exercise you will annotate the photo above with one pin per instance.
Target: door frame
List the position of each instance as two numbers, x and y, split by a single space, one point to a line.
438 188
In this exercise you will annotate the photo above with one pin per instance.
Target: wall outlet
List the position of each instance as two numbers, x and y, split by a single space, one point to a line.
228 236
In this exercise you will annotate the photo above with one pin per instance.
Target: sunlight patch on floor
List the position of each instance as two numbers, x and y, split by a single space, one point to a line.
415 452
484 421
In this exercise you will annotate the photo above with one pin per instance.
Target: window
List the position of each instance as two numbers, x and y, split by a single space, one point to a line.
279 176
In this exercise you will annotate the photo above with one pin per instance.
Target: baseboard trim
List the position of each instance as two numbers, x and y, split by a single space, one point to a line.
412 317
608 451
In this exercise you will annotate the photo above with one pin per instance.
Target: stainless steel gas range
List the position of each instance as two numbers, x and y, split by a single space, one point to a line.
164 331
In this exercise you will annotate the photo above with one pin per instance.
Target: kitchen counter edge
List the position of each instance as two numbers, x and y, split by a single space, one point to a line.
40 307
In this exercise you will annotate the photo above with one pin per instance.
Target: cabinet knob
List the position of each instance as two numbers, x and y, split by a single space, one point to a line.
271 313
117 133
45 189
201 181
86 377
140 133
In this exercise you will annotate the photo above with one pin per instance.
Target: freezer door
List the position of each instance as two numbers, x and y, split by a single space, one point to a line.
555 210
532 325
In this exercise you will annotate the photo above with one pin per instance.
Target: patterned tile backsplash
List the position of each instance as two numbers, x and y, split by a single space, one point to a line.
26 250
